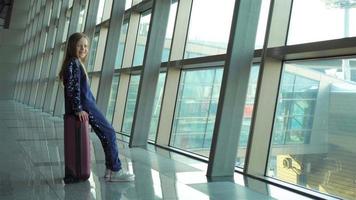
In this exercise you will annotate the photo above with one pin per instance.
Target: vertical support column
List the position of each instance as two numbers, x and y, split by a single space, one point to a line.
111 50
73 26
150 73
173 74
267 89
56 57
234 86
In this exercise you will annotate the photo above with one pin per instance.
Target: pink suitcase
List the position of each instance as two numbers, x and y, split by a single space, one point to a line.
76 149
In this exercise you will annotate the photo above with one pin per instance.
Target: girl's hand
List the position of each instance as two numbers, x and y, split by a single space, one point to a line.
83 116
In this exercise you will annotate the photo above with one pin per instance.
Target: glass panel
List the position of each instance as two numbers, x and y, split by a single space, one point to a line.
107 10
135 2
262 24
82 16
94 84
59 3
99 55
53 96
112 99
122 41
66 27
318 20
70 4
142 38
92 52
246 121
130 104
157 106
209 27
128 4
169 33
195 112
54 37
313 141
99 16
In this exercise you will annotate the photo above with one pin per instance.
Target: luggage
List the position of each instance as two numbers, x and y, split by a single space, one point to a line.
76 149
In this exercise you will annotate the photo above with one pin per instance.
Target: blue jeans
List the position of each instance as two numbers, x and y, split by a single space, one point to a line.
107 136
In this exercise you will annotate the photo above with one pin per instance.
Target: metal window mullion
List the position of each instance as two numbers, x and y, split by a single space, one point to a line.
111 50
233 90
150 73
267 90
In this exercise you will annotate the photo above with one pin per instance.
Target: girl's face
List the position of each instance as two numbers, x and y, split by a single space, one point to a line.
82 48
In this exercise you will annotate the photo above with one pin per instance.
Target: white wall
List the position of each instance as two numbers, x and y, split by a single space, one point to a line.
10 48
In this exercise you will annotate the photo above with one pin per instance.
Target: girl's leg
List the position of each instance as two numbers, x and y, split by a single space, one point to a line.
107 136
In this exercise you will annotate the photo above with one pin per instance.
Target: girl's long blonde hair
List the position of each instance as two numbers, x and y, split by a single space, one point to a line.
71 52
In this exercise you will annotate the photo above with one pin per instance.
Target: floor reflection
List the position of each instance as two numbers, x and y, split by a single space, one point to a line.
32 167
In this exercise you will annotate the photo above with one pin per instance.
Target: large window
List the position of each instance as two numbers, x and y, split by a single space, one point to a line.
317 20
157 106
262 24
209 28
94 83
121 47
195 111
130 104
113 92
82 16
169 33
313 134
104 10
99 16
142 38
92 52
128 4
247 117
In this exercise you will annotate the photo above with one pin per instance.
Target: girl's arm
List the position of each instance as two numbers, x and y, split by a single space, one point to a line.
73 86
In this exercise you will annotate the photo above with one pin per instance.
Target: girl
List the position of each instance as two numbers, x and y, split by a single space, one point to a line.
80 101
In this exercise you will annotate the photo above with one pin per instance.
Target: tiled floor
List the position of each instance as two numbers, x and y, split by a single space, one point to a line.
32 167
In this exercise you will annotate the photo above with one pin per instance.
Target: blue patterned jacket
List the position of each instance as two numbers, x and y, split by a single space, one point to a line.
77 93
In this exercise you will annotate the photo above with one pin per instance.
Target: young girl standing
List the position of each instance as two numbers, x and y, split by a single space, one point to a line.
80 101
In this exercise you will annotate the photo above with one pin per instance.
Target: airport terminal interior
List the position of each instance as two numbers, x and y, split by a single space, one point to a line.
209 99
